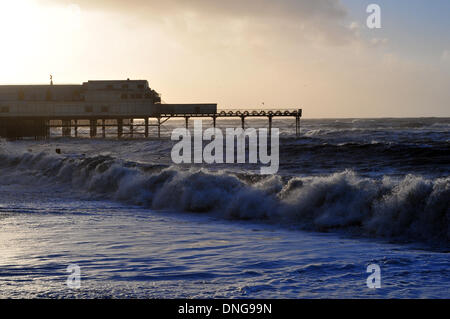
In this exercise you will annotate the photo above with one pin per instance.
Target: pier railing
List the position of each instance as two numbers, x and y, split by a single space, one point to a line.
242 114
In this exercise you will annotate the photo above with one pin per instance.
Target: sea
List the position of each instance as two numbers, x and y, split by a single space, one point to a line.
349 193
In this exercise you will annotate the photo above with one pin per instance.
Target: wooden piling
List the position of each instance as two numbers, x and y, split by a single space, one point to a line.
131 127
93 128
65 128
103 128
119 128
270 125
75 128
146 127
159 127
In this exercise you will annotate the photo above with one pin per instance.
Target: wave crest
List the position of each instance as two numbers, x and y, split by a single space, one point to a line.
412 208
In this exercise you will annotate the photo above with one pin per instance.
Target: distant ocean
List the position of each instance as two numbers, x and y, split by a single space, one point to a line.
349 193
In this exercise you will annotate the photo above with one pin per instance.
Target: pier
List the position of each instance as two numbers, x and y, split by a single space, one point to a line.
32 110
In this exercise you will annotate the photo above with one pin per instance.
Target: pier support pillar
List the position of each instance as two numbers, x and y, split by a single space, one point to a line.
131 127
297 126
146 127
47 129
270 126
187 122
93 128
66 128
297 122
103 128
159 127
243 122
75 128
119 128
214 121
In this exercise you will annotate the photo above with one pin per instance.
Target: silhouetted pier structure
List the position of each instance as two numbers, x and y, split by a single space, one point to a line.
94 124
32 110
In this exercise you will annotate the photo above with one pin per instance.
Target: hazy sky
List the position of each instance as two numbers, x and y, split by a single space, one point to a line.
314 54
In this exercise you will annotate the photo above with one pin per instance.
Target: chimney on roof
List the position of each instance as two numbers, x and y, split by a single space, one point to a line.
51 79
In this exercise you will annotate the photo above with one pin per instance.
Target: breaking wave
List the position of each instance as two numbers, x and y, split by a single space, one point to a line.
413 208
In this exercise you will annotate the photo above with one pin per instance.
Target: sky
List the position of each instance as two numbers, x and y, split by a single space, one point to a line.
318 55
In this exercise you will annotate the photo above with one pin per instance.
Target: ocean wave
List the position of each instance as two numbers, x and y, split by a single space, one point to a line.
422 154
413 208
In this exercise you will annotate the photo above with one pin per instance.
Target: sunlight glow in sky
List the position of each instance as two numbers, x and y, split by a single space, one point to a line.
318 55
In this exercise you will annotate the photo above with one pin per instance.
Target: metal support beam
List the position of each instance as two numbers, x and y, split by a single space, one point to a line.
187 122
159 127
66 128
214 121
75 127
297 126
270 126
243 122
48 131
93 128
131 127
119 128
146 127
297 122
103 128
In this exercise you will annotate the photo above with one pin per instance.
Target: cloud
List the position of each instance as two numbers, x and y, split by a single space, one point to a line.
313 20
285 8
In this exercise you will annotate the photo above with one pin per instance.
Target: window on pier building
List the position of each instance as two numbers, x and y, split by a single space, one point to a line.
125 86
88 109
4 109
76 96
49 95
124 96
105 109
21 95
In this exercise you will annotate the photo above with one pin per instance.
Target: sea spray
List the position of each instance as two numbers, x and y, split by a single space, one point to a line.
413 208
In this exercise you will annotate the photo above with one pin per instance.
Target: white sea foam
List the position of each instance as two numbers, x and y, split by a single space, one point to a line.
412 208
